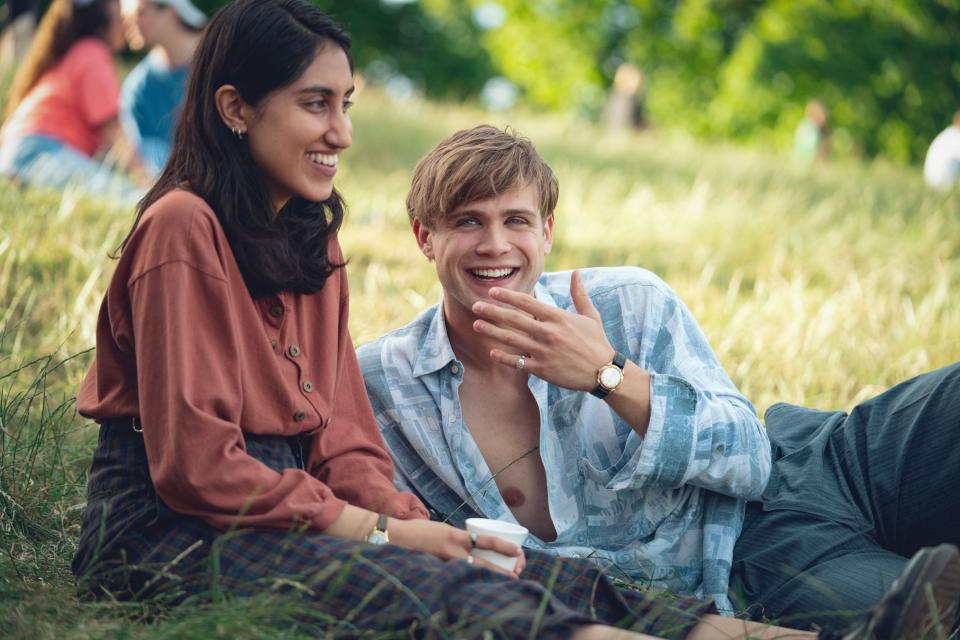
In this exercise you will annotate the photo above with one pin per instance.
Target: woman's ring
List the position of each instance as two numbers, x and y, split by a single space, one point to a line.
470 560
473 540
521 362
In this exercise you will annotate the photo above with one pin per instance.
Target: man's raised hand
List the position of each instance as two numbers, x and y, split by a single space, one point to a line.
563 348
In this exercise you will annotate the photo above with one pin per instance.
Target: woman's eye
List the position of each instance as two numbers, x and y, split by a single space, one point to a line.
347 104
317 104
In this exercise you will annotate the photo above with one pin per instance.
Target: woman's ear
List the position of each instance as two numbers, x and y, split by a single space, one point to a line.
232 109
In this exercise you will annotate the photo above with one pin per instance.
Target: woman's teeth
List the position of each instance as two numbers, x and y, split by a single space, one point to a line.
322 158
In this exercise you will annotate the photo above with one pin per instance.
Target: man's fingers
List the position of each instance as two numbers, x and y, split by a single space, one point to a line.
581 300
524 302
519 320
513 360
520 341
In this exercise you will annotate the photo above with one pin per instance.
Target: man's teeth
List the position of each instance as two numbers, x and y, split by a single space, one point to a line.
322 158
492 273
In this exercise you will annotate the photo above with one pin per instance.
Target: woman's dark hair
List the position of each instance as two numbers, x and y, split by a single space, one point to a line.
65 22
258 46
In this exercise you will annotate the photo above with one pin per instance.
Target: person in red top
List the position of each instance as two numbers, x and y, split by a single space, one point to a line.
237 450
64 100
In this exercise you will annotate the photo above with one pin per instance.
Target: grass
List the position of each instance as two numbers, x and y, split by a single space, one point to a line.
816 285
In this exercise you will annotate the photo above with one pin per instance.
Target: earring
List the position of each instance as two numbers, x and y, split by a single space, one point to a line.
237 132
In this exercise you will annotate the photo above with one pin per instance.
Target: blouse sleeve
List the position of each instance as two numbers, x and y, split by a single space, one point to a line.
189 383
350 455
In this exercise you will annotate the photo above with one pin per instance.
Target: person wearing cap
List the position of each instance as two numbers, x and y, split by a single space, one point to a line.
61 117
151 95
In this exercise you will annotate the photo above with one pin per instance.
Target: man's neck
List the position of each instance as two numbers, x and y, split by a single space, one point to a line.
178 48
471 348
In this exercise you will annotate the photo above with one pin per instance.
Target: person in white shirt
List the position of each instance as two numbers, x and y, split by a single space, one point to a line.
942 166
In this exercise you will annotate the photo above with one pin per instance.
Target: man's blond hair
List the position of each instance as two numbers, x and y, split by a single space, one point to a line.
477 164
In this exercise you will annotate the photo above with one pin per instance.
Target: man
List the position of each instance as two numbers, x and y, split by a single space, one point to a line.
627 444
151 94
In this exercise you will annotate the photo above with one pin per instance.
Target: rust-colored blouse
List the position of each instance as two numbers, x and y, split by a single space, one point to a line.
182 345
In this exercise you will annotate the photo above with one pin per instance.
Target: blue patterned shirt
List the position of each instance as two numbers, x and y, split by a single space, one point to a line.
663 510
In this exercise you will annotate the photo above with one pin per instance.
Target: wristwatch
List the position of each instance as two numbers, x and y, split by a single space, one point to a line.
610 376
379 533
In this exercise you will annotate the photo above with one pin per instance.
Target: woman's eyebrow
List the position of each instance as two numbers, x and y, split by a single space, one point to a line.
325 91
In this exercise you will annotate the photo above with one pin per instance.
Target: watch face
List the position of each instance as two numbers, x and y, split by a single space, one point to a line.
610 377
377 537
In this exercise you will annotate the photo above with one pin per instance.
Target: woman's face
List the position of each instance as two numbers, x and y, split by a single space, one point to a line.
297 133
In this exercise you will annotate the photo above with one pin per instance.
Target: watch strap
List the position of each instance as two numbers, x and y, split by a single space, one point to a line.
619 360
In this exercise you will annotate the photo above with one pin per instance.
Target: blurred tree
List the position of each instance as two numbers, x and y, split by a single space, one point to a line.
888 70
550 49
439 49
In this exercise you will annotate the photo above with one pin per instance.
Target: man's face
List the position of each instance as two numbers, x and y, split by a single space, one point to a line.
497 242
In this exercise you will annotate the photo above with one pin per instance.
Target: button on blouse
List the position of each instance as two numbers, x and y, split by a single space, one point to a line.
181 347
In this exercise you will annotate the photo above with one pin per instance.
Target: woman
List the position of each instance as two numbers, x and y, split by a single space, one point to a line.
64 100
237 449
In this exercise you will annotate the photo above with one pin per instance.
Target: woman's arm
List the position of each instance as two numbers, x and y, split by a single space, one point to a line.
436 538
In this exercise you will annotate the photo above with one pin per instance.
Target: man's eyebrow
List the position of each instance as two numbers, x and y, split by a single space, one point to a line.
506 212
325 91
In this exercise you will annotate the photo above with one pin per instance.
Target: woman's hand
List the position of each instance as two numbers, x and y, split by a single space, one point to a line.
449 543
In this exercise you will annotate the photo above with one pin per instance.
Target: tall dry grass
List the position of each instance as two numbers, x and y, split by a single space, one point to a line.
816 285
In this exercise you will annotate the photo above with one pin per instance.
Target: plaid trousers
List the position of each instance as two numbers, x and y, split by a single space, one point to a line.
133 546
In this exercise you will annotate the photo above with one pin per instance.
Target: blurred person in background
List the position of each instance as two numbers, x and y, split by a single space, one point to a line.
20 21
941 169
625 102
151 95
64 100
812 139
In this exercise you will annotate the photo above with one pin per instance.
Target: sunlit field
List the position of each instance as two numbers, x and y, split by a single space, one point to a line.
816 285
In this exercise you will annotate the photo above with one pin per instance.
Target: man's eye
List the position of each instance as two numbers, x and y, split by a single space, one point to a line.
466 222
517 220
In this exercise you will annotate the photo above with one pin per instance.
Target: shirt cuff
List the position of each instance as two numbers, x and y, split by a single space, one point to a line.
663 455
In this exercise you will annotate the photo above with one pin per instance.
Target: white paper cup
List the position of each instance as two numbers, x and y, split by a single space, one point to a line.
498 529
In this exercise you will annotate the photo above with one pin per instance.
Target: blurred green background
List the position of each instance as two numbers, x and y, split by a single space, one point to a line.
888 71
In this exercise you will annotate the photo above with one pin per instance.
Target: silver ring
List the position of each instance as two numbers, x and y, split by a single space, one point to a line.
521 362
473 540
470 560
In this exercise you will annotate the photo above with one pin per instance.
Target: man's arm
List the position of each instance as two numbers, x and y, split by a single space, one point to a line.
690 423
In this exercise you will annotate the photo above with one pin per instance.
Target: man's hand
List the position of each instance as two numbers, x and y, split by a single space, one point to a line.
563 348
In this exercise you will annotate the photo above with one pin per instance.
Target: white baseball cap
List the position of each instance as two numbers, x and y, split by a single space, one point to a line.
186 10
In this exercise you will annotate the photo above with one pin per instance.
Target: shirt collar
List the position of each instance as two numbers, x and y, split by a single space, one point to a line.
435 350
